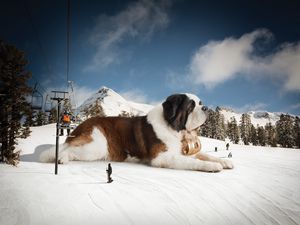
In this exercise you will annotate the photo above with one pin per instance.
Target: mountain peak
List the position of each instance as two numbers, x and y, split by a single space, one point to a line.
114 104
103 89
227 109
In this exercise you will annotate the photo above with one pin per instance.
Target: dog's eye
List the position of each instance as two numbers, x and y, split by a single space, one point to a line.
200 102
191 106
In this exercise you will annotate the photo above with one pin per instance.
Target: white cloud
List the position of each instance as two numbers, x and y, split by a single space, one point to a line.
137 22
138 96
82 93
134 95
219 61
285 64
295 106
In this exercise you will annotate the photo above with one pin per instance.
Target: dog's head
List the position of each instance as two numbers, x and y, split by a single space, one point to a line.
184 112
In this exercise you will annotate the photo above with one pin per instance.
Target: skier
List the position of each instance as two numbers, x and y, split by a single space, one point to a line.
227 146
230 155
109 172
66 121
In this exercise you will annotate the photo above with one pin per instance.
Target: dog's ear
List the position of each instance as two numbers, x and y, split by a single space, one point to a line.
174 112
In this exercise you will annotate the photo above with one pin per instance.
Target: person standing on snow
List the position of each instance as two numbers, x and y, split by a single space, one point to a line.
227 146
65 122
109 172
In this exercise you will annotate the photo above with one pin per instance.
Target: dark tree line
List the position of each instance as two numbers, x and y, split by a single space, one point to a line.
285 133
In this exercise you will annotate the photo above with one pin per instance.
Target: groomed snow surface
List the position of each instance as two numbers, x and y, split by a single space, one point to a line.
263 188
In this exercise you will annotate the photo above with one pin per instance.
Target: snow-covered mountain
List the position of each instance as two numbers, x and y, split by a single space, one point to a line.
114 104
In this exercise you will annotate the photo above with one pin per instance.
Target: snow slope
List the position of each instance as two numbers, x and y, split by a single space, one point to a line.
262 189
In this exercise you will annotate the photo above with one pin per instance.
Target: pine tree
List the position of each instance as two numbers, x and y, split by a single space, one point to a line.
52 115
253 135
67 106
261 136
233 130
95 110
285 131
41 119
219 125
297 132
212 124
245 127
207 127
13 92
25 130
126 114
270 135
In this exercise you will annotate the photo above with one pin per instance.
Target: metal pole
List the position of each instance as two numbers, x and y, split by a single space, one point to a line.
58 99
57 137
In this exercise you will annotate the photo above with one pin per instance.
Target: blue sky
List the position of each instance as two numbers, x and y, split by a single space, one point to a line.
240 54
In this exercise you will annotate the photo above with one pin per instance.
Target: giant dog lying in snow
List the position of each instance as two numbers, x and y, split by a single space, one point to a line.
156 139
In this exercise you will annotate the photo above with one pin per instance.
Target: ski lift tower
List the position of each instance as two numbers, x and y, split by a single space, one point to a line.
58 96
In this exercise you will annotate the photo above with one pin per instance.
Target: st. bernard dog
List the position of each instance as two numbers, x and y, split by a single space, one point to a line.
162 138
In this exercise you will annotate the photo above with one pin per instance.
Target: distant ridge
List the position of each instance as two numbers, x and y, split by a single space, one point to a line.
114 104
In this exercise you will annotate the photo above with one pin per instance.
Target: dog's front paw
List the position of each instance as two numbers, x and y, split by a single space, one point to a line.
226 164
63 159
213 167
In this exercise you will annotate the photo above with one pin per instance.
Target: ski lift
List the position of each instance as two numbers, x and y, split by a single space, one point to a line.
36 99
48 104
72 99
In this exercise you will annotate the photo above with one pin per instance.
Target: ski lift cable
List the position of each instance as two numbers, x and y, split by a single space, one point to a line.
37 37
68 38
72 95
70 84
44 91
39 44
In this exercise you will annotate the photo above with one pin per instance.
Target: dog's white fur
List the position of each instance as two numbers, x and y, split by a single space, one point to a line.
172 158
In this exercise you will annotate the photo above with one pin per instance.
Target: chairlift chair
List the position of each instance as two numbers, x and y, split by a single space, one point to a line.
36 100
48 104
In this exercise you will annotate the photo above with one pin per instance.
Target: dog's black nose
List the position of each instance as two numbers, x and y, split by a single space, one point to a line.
204 108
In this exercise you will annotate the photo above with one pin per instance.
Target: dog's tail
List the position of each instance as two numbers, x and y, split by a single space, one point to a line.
48 155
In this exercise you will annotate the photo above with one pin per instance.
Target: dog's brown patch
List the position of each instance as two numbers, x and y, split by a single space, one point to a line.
125 137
